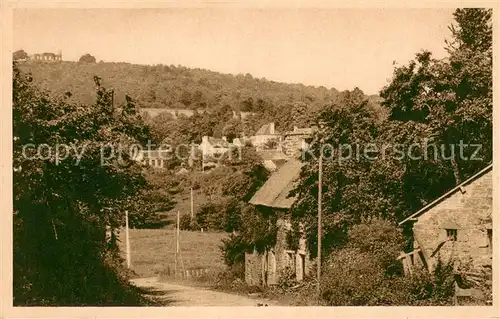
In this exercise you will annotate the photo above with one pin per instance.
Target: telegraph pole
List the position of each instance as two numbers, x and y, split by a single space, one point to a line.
127 239
320 173
203 160
177 243
192 204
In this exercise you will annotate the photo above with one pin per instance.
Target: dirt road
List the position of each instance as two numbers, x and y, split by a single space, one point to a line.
179 295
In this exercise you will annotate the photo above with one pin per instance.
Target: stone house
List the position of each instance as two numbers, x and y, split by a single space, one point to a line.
264 135
273 198
154 158
457 225
213 149
212 146
297 140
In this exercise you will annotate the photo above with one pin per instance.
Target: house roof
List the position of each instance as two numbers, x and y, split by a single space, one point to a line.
154 154
301 131
266 130
448 194
274 193
214 141
272 155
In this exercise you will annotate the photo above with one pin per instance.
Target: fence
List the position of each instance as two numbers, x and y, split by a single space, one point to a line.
187 273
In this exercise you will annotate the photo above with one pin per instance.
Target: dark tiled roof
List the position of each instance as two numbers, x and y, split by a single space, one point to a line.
274 193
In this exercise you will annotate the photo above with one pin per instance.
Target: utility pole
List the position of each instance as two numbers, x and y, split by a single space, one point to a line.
192 204
177 243
202 160
127 239
320 173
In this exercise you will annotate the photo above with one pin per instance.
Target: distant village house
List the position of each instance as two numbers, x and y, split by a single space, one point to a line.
153 158
266 134
297 140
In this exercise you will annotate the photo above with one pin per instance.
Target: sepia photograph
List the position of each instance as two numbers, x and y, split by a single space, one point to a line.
219 155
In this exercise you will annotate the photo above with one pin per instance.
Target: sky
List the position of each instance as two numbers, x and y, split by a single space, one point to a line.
340 48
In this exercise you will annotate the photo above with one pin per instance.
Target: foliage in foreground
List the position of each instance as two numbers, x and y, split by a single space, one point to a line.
62 206
393 166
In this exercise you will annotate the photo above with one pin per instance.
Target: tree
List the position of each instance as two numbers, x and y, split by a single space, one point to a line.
64 201
448 102
87 58
297 114
19 55
473 30
431 102
232 129
347 123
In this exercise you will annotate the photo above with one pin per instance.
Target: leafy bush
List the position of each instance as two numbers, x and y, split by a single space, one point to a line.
185 222
87 58
351 278
380 238
355 278
430 288
61 256
365 271
287 278
233 250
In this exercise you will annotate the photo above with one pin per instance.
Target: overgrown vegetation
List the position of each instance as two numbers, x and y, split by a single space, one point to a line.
434 105
61 210
178 87
64 203
441 102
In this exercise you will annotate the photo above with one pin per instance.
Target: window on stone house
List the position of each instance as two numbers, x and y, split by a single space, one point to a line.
451 234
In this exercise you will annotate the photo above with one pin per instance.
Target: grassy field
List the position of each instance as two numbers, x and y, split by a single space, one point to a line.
153 250
183 205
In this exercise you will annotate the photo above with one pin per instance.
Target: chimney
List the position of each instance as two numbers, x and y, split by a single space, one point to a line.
271 128
224 138
204 139
295 128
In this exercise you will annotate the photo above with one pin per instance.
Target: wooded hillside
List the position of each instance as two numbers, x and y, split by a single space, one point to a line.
163 86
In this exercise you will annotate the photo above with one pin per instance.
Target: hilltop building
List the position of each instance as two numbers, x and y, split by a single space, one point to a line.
47 57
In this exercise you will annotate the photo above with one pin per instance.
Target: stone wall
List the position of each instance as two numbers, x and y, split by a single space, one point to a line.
267 267
469 212
253 269
298 259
